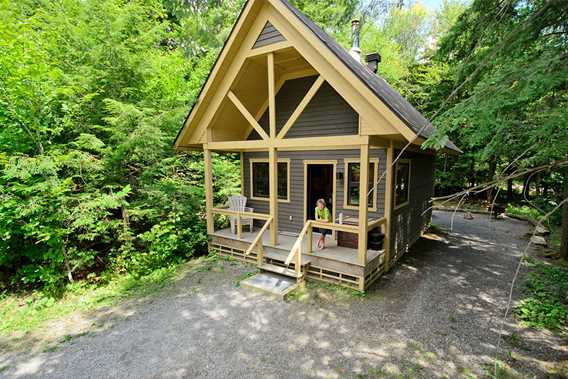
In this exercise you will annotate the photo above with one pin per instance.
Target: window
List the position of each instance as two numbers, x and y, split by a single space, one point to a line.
260 179
402 183
351 193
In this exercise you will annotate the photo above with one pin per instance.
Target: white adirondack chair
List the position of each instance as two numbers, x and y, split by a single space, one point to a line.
238 203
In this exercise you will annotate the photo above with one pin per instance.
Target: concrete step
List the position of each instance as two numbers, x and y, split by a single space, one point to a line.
271 284
280 270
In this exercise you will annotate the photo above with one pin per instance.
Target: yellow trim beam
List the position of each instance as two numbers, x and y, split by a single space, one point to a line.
259 51
308 143
300 108
250 118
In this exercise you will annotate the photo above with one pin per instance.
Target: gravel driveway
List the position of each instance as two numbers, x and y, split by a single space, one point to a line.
436 314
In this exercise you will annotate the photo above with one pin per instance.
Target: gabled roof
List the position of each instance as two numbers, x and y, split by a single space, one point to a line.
390 97
412 119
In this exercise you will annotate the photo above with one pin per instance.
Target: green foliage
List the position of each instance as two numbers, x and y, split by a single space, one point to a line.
524 211
546 301
92 95
332 15
497 85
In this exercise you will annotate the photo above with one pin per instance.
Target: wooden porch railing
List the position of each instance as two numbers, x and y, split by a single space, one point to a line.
257 240
378 222
239 215
307 230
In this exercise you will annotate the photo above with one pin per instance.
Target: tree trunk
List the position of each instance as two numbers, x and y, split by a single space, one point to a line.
472 173
564 231
490 177
67 265
509 190
526 186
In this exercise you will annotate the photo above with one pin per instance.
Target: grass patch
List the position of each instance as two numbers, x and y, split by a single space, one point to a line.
244 276
546 297
514 340
501 370
25 313
313 289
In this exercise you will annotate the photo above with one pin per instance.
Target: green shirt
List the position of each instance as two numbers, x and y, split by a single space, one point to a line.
323 214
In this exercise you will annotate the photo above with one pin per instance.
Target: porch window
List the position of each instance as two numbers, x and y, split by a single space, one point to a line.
260 178
353 173
402 183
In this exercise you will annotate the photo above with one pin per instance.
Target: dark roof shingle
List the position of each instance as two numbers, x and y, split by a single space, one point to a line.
390 97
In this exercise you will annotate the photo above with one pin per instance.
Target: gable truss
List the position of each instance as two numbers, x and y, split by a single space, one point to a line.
297 50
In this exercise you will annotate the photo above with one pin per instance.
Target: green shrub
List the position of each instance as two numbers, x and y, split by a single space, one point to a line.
542 312
546 301
168 242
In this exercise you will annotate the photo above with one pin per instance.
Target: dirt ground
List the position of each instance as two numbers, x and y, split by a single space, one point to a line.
436 314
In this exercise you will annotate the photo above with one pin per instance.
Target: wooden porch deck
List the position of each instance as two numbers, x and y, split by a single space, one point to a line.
334 264
286 241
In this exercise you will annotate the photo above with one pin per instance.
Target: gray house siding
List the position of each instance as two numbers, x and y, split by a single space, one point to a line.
409 221
327 114
269 35
295 207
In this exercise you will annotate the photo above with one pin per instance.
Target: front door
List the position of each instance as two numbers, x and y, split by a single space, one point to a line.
319 185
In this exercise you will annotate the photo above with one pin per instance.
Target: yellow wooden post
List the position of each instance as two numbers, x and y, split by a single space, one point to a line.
363 189
388 205
242 162
273 193
260 254
208 188
298 263
271 96
239 229
310 237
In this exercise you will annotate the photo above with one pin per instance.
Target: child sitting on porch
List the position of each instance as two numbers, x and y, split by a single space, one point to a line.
323 215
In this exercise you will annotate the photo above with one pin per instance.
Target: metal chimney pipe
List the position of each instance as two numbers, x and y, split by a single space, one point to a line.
373 61
355 40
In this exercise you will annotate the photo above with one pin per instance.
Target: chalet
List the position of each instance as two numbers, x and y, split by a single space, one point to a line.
311 121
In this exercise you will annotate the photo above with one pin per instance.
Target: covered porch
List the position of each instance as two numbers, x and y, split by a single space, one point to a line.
267 245
334 264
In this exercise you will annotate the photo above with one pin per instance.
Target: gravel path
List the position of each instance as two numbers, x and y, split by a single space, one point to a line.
436 314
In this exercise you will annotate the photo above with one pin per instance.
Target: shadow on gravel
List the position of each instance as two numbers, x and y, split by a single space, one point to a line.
435 314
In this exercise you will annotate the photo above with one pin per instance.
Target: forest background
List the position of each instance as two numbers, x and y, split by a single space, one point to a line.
93 93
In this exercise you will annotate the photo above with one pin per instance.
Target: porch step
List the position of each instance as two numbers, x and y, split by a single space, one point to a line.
280 270
281 256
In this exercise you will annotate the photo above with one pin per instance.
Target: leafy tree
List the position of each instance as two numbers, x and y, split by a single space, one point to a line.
92 94
502 95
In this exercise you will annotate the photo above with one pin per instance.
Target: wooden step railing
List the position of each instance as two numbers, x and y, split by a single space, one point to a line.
307 230
258 241
297 247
